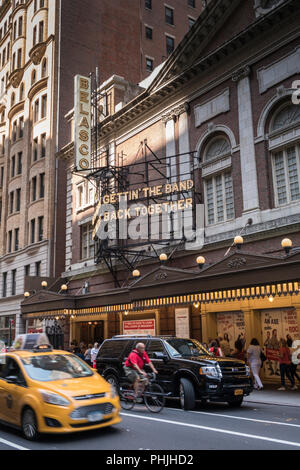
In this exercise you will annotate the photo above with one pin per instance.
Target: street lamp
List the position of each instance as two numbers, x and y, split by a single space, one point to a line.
238 241
136 273
200 261
163 258
286 244
26 294
44 284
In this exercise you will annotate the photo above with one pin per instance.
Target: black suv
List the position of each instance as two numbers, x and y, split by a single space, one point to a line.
186 370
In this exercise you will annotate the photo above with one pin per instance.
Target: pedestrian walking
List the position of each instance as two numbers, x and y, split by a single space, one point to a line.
285 365
225 345
94 353
239 352
215 349
87 355
254 361
293 367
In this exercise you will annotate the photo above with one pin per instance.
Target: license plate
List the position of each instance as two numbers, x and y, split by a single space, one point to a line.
94 416
238 392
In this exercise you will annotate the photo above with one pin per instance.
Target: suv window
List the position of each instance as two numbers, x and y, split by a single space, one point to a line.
112 349
154 346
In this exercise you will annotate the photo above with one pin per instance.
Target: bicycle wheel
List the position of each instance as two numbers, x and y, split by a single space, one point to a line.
154 398
127 398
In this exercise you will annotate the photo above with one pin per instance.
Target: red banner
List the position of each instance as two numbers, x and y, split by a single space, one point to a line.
272 354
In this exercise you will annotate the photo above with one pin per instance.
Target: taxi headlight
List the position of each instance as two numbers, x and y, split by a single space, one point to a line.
112 393
211 371
54 398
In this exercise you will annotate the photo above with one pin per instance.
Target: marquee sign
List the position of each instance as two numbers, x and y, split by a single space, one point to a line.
82 122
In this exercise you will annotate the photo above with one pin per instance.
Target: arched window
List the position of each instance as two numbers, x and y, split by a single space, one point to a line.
13 99
287 116
21 95
286 160
33 77
44 68
218 147
218 185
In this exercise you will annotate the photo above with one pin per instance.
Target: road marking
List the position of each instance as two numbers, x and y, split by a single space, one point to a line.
12 444
240 417
222 431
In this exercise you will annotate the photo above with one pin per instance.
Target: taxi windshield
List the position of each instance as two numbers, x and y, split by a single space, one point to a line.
55 367
185 347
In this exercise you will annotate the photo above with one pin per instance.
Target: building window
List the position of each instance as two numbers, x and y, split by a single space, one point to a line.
43 145
40 228
41 31
35 149
33 183
4 284
34 36
19 167
12 166
21 92
21 127
148 4
36 111
170 44
11 202
286 170
169 15
13 282
80 196
192 3
19 59
42 3
148 32
32 230
33 77
44 68
44 106
20 26
9 247
42 185
149 64
218 147
16 239
38 268
219 198
27 270
18 199
35 6
14 131
15 31
1 176
191 22
87 242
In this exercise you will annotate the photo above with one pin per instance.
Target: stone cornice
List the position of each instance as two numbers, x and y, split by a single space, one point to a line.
241 73
175 112
66 153
16 109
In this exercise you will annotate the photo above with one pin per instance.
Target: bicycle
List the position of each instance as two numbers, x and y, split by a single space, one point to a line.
153 395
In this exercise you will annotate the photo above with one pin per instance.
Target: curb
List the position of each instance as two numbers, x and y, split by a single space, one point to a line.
272 403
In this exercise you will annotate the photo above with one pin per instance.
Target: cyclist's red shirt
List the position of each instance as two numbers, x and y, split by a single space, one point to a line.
136 358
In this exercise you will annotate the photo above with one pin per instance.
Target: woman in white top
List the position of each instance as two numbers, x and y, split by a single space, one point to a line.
254 360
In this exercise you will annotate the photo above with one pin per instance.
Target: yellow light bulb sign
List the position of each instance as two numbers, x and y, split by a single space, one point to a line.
82 122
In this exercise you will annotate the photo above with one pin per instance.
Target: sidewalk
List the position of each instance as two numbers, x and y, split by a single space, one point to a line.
270 395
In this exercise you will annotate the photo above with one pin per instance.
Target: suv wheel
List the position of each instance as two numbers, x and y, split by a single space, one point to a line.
187 394
29 425
236 402
113 380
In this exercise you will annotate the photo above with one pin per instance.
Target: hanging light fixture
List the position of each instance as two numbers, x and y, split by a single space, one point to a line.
163 257
238 241
64 287
26 294
44 284
200 261
287 244
136 273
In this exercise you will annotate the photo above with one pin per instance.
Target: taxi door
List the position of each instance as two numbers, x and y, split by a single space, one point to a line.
12 393
2 385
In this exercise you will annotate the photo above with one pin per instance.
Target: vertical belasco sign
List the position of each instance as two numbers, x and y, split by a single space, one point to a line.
82 122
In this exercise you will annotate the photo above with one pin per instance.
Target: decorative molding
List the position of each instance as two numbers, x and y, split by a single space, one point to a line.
175 112
241 73
16 77
278 71
219 164
209 109
267 109
17 108
160 276
237 263
37 87
37 52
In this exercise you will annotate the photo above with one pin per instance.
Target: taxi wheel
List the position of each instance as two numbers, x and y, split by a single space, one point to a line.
29 425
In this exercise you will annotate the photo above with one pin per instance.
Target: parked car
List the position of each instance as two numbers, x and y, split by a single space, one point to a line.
186 370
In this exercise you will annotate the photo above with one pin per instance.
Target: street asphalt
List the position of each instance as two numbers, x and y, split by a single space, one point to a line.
254 426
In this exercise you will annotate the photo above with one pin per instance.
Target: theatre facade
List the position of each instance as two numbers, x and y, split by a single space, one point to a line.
214 133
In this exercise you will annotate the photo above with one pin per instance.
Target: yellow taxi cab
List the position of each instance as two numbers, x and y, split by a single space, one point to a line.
52 391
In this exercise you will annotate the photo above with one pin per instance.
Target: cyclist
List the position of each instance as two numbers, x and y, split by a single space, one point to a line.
134 367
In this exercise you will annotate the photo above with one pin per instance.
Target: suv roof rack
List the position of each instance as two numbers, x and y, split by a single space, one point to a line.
133 336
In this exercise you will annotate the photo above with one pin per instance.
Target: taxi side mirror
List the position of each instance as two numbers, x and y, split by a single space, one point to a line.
12 379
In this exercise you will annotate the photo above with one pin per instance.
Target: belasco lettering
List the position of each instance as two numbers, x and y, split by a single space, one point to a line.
82 122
